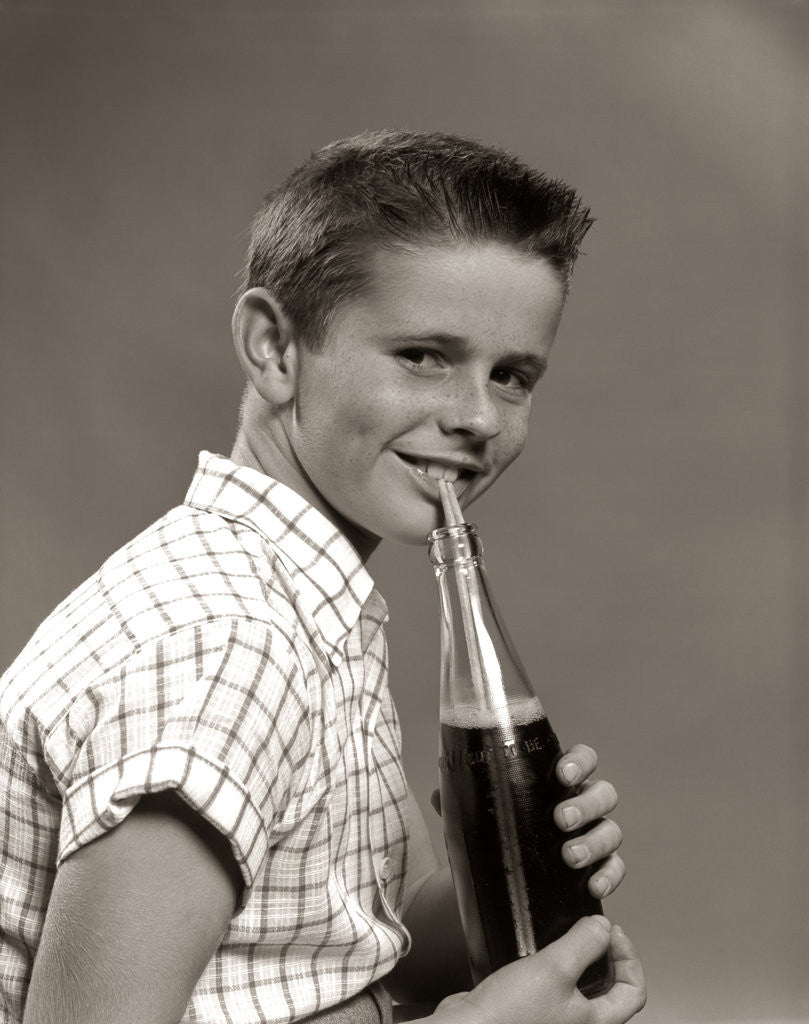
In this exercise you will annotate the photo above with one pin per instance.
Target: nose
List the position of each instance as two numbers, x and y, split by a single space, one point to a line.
469 408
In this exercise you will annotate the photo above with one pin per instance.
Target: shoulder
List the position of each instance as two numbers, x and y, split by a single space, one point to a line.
188 566
190 588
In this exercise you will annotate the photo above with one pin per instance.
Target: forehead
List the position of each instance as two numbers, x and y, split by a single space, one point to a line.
475 290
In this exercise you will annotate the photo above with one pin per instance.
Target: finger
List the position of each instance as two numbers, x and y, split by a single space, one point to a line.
627 996
576 765
595 800
599 842
580 946
625 960
609 876
449 1001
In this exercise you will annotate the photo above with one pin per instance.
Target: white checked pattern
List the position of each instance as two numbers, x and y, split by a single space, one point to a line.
234 652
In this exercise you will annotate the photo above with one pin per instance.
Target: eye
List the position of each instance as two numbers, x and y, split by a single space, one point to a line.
514 380
420 360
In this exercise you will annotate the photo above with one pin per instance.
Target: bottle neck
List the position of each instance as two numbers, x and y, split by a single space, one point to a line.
480 670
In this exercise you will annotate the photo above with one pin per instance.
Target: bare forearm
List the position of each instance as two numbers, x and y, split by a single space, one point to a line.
437 964
80 982
133 919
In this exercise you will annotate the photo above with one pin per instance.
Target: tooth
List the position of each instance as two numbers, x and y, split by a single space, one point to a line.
439 472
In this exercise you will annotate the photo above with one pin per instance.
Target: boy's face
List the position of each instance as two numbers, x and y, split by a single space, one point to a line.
427 373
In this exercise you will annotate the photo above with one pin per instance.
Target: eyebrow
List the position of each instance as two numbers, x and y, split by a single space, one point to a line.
521 360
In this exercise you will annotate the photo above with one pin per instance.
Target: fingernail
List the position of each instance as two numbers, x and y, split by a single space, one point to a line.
605 924
601 885
579 853
571 817
570 771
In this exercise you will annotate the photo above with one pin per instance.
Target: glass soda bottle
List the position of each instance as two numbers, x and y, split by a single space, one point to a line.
498 785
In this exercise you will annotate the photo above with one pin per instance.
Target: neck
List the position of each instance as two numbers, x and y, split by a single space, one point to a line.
245 453
256 450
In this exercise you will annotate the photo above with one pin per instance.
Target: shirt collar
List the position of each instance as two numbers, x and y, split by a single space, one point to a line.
332 582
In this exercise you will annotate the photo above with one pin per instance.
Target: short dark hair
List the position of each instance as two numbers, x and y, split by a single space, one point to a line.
390 188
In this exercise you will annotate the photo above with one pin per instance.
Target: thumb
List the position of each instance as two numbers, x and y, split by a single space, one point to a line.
582 945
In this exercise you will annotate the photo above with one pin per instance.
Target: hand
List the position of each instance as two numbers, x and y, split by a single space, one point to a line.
541 988
591 803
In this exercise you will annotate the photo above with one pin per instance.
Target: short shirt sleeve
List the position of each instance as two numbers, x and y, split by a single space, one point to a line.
218 712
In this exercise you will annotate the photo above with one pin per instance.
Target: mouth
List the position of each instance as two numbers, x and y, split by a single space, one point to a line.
458 476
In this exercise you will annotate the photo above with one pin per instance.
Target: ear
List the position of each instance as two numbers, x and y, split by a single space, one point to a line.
266 345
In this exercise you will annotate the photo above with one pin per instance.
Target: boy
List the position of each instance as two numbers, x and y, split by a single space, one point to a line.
206 816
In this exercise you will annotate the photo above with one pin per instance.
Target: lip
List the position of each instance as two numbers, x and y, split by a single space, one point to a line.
462 465
429 483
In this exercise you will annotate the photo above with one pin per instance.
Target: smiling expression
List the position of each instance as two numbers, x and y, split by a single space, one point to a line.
427 373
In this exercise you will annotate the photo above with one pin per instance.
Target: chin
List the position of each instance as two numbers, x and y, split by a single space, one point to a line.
394 526
415 533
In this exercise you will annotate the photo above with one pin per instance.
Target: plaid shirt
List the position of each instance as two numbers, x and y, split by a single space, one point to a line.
233 652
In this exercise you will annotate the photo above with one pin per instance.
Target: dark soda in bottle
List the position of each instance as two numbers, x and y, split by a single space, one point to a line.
498 756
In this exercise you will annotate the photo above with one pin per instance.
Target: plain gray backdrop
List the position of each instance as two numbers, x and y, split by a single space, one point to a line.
648 550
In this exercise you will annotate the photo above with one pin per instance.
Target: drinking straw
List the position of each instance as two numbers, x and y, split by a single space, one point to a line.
484 663
489 685
449 499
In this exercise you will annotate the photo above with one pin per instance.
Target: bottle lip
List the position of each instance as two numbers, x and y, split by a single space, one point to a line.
455 545
460 530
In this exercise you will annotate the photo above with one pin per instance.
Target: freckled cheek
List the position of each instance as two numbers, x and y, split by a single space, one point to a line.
353 424
356 432
511 440
379 414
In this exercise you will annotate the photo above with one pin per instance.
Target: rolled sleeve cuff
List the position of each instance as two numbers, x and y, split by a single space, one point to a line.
103 799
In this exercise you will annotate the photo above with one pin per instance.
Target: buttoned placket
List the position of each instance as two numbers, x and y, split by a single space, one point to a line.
375 614
382 863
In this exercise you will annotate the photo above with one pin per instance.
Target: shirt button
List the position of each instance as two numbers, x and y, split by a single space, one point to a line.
385 868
